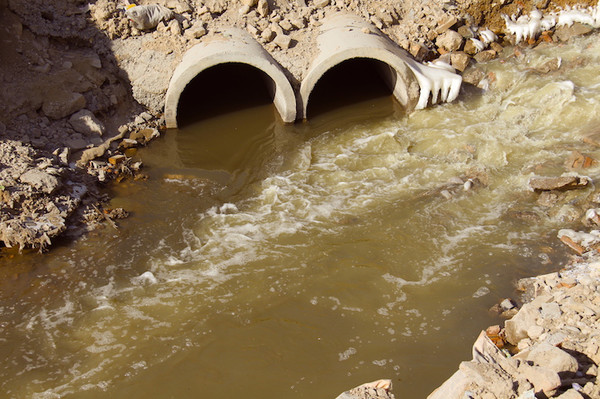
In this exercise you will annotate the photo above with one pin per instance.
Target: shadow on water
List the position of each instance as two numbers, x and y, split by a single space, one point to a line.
222 89
350 82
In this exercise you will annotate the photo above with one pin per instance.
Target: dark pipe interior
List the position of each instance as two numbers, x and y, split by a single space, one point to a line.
222 89
352 81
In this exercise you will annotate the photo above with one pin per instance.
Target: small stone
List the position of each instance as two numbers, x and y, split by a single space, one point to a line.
557 183
553 358
460 60
570 394
249 3
466 32
40 180
486 55
174 27
418 51
497 47
449 40
578 160
267 35
196 31
85 122
263 8
298 23
470 47
580 250
516 328
283 41
286 25
76 143
144 135
447 24
321 3
543 379
473 76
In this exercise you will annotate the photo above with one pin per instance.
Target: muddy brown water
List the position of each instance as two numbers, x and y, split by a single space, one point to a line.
272 261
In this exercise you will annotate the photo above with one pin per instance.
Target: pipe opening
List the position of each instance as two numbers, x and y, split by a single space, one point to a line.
350 82
221 89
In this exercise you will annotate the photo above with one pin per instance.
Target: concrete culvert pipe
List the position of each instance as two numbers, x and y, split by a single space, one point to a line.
346 37
233 46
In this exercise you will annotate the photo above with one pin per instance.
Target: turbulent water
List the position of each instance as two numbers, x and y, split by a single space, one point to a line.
272 261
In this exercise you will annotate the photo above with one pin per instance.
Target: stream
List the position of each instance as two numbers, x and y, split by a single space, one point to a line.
264 260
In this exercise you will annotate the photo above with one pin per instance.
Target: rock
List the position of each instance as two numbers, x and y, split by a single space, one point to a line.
371 390
216 6
516 328
543 379
263 8
558 183
283 41
298 23
321 3
497 47
249 3
286 25
179 6
466 32
568 241
418 51
143 136
174 27
449 40
471 48
460 60
448 23
578 160
267 35
564 33
473 76
375 20
553 358
196 31
61 104
40 180
571 394
85 122
486 55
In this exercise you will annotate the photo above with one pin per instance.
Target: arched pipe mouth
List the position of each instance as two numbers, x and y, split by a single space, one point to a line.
351 81
234 46
224 88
